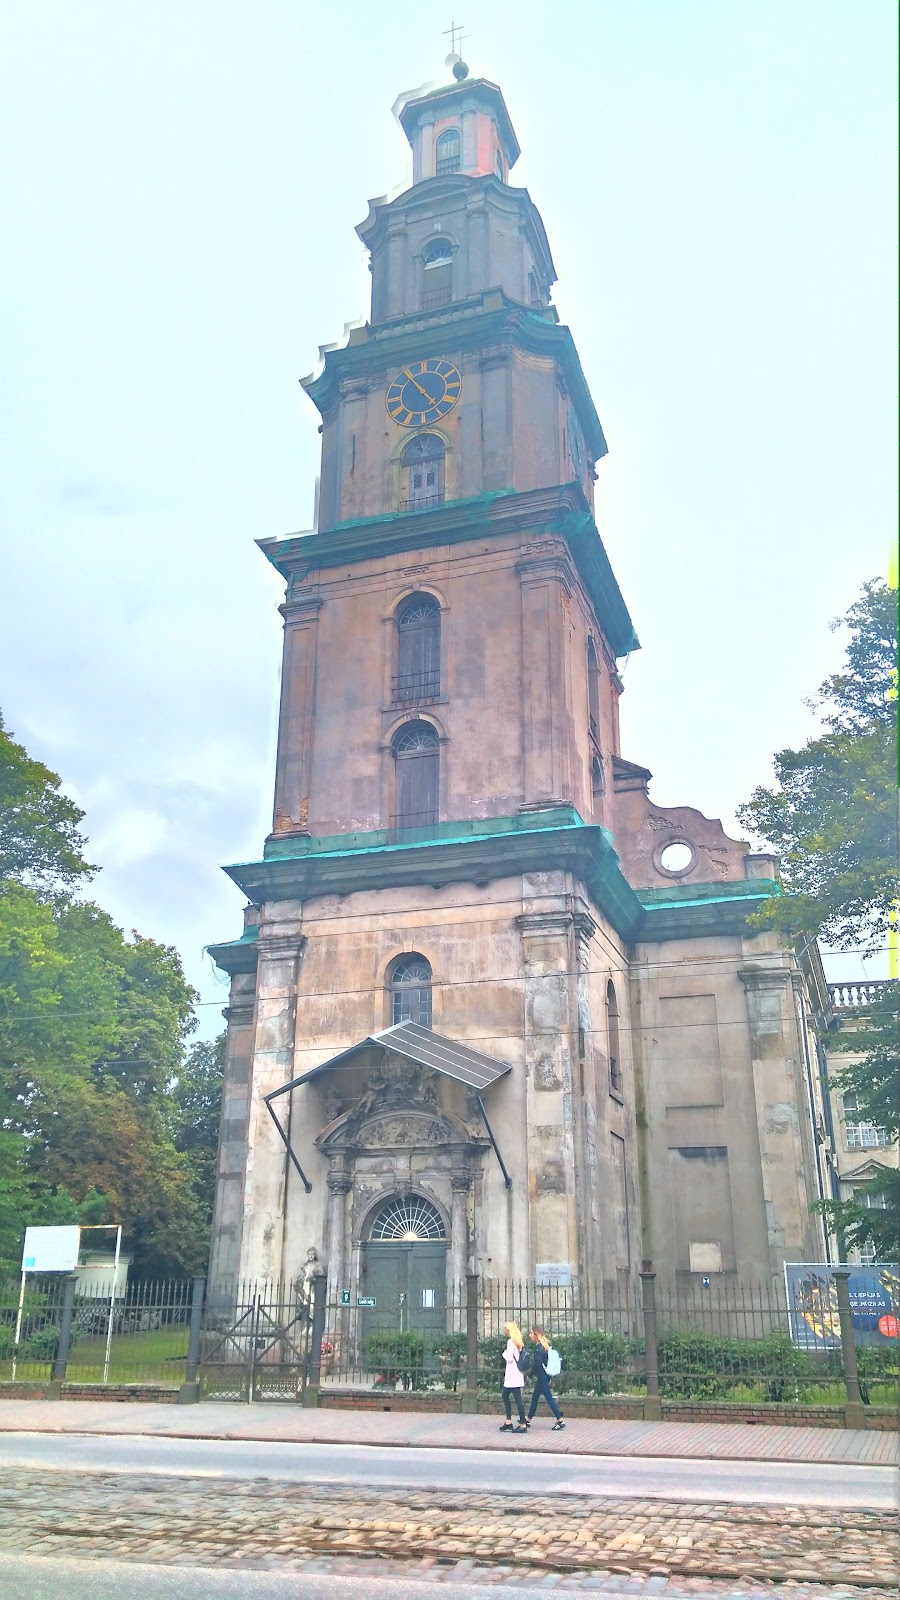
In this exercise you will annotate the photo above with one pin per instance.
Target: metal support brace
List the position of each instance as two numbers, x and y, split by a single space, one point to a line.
268 1098
490 1133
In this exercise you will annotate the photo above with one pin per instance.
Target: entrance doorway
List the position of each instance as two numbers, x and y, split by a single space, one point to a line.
404 1268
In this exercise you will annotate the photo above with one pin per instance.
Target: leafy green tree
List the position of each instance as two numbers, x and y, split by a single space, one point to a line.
195 1100
40 841
93 1030
833 816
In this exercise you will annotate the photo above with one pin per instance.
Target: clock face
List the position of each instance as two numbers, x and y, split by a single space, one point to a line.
423 391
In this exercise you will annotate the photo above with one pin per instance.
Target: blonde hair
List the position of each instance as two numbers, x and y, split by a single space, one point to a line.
515 1333
539 1334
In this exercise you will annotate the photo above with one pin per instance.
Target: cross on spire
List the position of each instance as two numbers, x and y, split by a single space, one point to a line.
454 29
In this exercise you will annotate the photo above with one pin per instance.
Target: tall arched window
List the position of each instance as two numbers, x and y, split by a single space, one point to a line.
593 673
597 781
418 674
447 152
410 988
612 1024
534 293
423 473
437 275
416 759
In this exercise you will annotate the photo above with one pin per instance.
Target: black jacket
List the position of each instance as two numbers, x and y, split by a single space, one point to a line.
538 1360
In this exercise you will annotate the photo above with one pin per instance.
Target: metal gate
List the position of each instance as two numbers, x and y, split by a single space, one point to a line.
255 1343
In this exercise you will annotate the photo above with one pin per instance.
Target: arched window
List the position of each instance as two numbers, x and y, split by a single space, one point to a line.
612 1024
407 1220
416 760
437 275
423 473
418 674
498 164
593 672
447 152
410 986
598 783
534 293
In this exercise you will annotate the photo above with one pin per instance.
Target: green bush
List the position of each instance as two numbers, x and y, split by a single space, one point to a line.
699 1366
397 1356
877 1366
7 1340
447 1358
43 1345
590 1359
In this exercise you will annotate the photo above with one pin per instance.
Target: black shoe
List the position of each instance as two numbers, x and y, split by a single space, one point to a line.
507 1427
522 1428
557 1425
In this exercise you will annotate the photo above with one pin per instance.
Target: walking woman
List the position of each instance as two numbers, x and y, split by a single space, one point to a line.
543 1354
515 1361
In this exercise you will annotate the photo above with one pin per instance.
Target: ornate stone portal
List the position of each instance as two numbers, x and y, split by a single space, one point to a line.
396 1138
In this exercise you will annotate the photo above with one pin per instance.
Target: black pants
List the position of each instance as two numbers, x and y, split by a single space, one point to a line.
507 1397
542 1389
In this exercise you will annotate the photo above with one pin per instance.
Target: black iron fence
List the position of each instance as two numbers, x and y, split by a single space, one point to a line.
265 1340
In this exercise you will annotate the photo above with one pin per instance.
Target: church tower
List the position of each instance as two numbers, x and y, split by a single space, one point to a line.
452 940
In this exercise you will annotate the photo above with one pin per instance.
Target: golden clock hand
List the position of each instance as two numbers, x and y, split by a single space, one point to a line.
418 386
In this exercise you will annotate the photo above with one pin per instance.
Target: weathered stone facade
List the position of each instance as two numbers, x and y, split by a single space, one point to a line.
659 1097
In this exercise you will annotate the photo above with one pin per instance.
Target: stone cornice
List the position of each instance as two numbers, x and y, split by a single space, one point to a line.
560 512
501 320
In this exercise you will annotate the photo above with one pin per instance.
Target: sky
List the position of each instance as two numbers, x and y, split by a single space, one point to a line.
180 185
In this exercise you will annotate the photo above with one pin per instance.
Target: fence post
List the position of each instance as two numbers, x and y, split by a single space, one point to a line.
652 1403
190 1389
316 1335
469 1397
58 1370
854 1410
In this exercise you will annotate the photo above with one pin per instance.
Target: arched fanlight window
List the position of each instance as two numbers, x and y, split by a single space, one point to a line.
410 986
423 473
437 275
416 757
447 152
593 673
407 1220
612 1024
418 674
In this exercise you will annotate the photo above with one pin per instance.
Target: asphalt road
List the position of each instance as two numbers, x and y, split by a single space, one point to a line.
742 1482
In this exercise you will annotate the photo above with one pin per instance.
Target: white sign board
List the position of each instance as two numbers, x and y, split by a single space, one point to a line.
51 1249
554 1274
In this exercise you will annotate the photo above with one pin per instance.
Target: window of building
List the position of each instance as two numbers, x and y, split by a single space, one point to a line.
534 293
862 1135
410 988
498 165
407 1220
597 780
416 758
448 152
418 674
612 1026
593 676
437 275
423 473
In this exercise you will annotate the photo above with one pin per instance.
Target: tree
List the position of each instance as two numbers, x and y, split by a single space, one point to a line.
833 821
93 1029
40 842
833 817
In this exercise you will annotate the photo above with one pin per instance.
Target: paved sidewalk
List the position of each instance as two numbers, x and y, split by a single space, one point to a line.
722 1441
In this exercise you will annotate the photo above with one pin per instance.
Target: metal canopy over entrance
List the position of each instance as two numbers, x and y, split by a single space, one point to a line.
426 1049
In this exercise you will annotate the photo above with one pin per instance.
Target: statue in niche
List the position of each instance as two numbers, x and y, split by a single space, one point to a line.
333 1105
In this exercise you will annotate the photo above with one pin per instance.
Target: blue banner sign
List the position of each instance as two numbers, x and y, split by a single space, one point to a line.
813 1305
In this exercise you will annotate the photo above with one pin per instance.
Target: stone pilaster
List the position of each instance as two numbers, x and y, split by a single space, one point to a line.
228 1208
280 948
339 1183
547 583
550 1032
297 715
779 1094
460 1184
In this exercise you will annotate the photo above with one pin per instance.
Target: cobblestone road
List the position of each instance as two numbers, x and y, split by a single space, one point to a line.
578 1541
